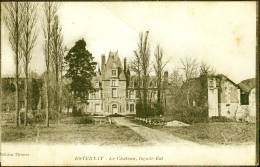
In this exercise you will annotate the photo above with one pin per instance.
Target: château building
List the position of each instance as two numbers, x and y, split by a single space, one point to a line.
116 88
111 83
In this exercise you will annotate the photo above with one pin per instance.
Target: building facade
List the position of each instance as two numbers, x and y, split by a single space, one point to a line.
225 98
116 89
111 83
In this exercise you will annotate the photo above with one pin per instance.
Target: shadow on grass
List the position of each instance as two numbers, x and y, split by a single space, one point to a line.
65 133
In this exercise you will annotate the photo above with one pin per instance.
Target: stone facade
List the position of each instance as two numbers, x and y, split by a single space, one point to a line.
225 98
116 89
252 102
112 95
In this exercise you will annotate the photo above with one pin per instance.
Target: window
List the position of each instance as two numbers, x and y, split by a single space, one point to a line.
113 73
113 83
211 84
244 98
131 83
97 84
131 107
131 94
127 106
114 92
97 107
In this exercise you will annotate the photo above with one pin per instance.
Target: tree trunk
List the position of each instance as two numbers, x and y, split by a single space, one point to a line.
26 99
188 97
47 99
0 72
17 67
60 93
57 89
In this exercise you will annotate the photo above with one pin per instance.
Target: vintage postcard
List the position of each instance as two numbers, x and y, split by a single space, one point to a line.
128 83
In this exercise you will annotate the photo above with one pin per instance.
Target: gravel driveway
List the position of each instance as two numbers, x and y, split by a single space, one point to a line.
152 136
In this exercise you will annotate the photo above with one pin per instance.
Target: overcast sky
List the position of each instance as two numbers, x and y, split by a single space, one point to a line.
223 34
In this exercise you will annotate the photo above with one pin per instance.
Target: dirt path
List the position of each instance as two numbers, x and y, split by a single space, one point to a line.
153 136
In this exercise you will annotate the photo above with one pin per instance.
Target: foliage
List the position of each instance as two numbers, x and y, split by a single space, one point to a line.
76 111
80 70
35 93
159 66
188 114
220 119
141 66
84 120
67 96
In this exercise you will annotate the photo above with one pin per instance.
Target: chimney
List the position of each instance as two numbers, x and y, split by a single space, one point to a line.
125 64
103 62
165 76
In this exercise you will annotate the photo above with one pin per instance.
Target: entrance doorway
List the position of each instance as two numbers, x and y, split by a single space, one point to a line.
114 108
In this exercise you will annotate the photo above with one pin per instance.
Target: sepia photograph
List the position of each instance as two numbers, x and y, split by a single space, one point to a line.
128 83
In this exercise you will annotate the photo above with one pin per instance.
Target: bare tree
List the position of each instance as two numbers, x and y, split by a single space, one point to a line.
189 66
28 39
142 67
176 79
136 68
50 10
159 66
205 69
13 18
57 59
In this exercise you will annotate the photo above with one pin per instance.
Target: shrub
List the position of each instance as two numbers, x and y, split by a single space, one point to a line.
38 116
84 120
116 115
76 111
188 114
220 119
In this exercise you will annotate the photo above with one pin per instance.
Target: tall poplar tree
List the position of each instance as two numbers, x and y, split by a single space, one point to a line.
13 18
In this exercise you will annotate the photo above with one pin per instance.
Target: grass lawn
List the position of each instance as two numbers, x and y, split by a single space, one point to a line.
215 133
70 132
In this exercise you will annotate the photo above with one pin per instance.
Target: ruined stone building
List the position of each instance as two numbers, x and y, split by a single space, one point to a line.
226 98
223 97
219 96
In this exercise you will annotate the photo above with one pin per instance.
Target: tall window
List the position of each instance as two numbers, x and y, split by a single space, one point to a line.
131 94
114 73
114 92
113 83
132 107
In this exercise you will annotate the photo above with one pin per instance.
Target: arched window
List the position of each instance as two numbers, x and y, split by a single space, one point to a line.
114 106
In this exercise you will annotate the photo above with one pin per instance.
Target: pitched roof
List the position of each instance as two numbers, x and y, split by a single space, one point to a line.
248 84
113 62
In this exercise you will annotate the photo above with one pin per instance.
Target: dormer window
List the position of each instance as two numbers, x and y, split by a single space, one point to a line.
114 73
97 84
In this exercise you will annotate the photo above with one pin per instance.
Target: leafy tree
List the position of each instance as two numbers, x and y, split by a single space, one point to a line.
35 92
81 66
